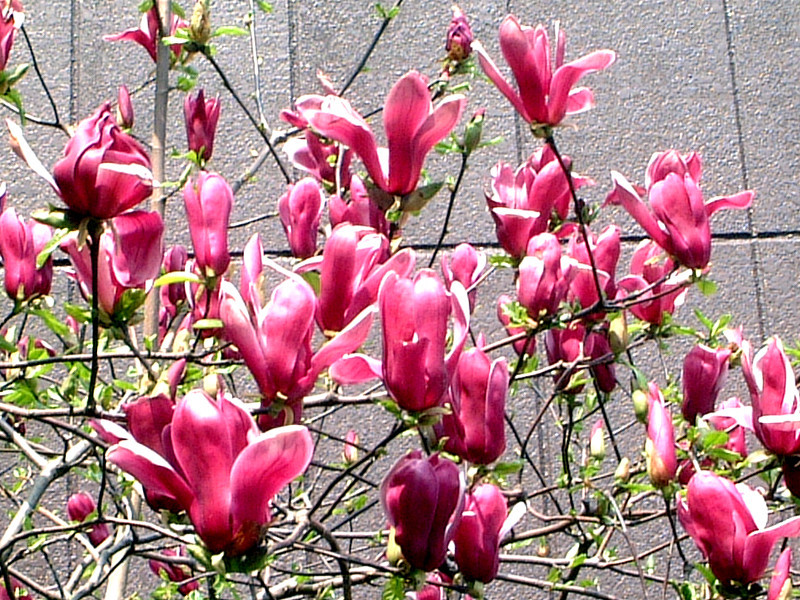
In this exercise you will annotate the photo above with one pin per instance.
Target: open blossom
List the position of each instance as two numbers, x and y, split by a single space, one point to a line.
353 264
360 210
542 285
774 396
226 482
104 171
523 202
677 217
545 93
201 116
130 257
576 343
275 342
20 244
729 525
413 127
321 160
422 498
10 20
146 35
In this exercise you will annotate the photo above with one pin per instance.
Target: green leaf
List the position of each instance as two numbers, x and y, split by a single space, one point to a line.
229 30
51 246
208 324
508 468
265 6
707 287
52 322
394 589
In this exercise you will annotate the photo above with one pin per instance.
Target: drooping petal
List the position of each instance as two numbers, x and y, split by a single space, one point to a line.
568 75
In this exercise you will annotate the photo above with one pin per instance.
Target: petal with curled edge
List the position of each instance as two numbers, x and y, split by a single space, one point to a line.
270 462
152 471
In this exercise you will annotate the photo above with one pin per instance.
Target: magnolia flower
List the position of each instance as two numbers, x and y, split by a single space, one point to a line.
729 525
146 35
226 481
208 202
422 498
20 244
662 460
79 507
545 92
413 126
477 539
704 373
677 217
300 209
201 116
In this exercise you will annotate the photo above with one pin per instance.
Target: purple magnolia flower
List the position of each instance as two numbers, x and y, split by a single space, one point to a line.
545 92
79 507
677 217
704 373
300 210
201 116
422 498
208 202
729 525
477 538
413 126
226 481
146 35
20 244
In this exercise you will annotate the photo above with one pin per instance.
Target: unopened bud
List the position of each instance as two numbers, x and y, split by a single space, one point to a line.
459 37
350 452
618 333
473 131
597 442
124 108
623 471
641 405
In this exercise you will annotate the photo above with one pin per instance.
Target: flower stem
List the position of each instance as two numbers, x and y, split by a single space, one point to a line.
95 230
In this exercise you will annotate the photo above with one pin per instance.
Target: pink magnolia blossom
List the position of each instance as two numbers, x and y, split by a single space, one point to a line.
20 244
605 249
729 525
576 343
413 126
662 460
522 345
422 498
275 342
524 201
650 265
677 217
737 441
300 210
79 507
321 160
11 19
201 116
545 92
476 427
353 264
477 539
104 171
146 35
252 275
130 257
208 201
774 396
704 373
226 482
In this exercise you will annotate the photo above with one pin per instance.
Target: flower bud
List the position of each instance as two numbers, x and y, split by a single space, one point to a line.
79 507
618 333
208 203
459 37
350 452
477 539
704 373
662 461
623 471
473 131
201 117
174 571
640 406
300 210
124 108
597 442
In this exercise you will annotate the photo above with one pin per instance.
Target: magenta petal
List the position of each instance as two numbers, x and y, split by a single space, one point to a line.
270 462
580 100
530 66
138 248
492 72
740 200
356 368
758 545
441 122
206 465
152 470
568 75
147 418
625 194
